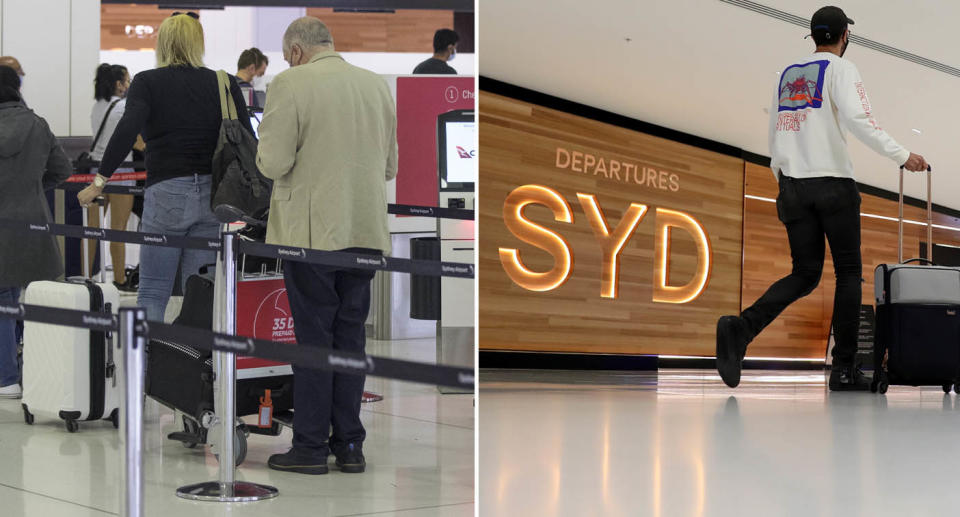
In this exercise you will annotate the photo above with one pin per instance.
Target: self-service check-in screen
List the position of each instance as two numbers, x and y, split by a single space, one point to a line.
461 141
255 123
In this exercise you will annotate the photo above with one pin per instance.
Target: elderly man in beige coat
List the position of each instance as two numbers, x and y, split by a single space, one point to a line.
328 140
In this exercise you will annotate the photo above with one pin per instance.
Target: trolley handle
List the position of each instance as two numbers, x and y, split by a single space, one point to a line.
929 172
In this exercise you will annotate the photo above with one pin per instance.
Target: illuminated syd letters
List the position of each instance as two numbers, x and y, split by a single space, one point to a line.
610 242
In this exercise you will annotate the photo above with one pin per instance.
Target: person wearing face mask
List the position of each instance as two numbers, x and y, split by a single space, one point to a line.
110 91
444 50
329 142
251 66
817 99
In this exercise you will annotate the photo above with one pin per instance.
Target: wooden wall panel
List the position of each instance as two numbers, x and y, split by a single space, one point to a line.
519 143
408 30
802 330
114 19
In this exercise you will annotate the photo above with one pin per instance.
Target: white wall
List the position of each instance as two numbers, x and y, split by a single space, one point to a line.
59 52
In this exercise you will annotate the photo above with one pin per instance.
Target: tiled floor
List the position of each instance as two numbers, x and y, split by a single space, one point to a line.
682 444
419 449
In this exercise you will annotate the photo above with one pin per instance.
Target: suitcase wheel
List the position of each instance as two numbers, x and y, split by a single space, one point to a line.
882 386
947 388
115 418
72 425
27 416
956 388
191 428
239 445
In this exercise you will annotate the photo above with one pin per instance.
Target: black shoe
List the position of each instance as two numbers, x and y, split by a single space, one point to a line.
848 378
299 461
125 287
350 459
731 347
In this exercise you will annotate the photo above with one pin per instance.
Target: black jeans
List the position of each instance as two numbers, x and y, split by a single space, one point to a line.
330 307
811 209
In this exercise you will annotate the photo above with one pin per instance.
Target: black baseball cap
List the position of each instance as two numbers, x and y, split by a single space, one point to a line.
830 21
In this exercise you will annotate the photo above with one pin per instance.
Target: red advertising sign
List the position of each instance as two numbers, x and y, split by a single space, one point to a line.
263 312
420 100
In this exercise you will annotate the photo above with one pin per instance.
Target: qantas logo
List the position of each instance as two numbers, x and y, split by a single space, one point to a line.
466 154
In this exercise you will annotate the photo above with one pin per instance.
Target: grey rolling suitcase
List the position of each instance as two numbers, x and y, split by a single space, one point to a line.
917 339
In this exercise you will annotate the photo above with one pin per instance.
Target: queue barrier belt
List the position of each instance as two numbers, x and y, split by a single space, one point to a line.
78 182
320 257
303 356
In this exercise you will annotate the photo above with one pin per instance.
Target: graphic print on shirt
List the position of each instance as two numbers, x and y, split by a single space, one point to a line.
801 86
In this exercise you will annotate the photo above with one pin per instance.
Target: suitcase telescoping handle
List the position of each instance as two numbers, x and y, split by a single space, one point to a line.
929 172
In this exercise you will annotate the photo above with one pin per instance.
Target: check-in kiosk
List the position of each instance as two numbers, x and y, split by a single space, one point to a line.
457 165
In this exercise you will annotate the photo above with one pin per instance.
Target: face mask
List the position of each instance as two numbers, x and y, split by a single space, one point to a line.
843 49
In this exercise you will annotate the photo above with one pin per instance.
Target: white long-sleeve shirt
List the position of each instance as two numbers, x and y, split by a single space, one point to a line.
818 99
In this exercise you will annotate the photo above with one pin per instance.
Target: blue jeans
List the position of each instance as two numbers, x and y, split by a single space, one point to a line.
9 366
329 307
178 206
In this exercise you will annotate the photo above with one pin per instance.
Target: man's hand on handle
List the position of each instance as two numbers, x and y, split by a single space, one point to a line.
916 163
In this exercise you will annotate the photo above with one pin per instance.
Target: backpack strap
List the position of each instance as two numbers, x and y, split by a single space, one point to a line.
103 124
228 110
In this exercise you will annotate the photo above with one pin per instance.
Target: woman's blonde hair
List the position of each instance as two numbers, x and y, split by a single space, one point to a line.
180 42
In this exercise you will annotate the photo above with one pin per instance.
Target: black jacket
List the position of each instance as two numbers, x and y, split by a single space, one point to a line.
177 110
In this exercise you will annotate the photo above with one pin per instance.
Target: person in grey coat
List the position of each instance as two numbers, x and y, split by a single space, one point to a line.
31 162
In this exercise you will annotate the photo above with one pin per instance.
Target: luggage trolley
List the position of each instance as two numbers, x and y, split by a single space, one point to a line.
263 313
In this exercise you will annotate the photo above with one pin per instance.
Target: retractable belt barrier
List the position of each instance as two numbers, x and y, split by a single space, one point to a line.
304 356
315 357
321 257
104 234
357 260
133 331
431 211
78 182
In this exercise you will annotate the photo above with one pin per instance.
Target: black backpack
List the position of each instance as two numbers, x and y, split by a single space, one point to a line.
240 191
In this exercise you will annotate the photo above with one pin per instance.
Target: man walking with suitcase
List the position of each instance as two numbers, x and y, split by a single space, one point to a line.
818 97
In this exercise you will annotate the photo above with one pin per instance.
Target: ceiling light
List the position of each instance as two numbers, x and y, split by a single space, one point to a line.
917 131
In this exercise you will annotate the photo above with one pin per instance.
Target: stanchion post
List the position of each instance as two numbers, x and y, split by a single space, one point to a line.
227 369
132 345
227 489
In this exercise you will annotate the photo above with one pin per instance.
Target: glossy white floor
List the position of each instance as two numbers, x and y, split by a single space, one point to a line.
419 451
683 444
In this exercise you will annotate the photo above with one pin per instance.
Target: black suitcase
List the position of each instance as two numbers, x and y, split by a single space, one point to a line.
180 376
917 339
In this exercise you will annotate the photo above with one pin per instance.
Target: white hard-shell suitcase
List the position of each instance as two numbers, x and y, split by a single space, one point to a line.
70 373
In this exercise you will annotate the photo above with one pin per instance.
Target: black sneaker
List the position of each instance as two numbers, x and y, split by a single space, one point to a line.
299 461
350 459
731 347
848 378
